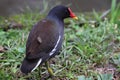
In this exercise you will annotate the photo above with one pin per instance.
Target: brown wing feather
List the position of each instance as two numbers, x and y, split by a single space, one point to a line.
47 33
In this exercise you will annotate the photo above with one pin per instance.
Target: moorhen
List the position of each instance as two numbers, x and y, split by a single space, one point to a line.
45 39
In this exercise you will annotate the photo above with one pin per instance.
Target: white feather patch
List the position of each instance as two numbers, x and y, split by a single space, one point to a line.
38 63
54 49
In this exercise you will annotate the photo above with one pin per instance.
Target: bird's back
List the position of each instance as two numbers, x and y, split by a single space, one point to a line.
41 41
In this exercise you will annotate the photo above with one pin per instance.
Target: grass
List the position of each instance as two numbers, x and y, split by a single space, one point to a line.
89 52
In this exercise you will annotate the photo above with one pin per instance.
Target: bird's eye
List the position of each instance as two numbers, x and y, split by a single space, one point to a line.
66 11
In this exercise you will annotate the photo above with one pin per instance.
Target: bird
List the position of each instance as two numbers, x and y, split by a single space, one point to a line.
45 39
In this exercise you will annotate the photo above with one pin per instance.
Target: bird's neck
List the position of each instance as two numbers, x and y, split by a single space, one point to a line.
55 18
57 21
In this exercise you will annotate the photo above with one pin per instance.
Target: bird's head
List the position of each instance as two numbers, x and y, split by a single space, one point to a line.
62 12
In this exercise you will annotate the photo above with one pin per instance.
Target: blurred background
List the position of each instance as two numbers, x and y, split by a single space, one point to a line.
10 7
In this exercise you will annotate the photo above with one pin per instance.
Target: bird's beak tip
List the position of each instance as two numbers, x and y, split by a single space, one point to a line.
76 18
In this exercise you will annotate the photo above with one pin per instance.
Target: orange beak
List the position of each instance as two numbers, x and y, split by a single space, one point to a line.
72 15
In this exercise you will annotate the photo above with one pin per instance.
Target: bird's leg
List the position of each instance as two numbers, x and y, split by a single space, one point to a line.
39 72
49 69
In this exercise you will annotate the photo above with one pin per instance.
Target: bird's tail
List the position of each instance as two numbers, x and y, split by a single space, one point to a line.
30 65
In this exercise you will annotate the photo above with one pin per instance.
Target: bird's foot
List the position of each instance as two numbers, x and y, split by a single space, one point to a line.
50 72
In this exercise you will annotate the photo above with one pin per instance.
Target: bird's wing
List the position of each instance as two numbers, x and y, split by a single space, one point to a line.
42 39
